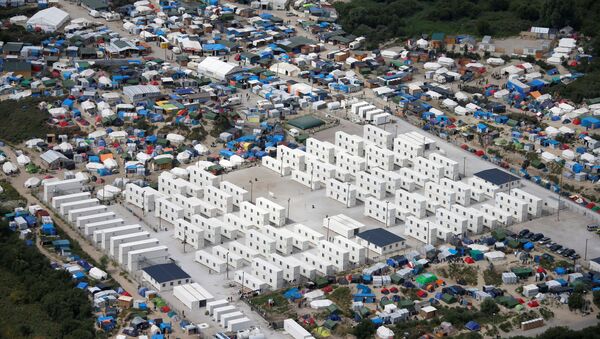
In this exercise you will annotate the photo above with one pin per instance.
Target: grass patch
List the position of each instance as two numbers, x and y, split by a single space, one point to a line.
270 303
342 297
463 273
22 120
491 277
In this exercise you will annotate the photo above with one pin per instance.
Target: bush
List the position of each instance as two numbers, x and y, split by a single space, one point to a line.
505 326
489 307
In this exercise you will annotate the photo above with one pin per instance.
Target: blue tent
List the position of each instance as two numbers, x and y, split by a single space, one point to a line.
560 270
82 285
472 326
293 294
528 246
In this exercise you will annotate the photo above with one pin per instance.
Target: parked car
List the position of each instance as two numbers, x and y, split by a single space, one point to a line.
537 237
544 240
575 256
593 227
556 248
523 233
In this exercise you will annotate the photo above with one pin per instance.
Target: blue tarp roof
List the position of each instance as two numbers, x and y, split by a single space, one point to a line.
213 47
473 326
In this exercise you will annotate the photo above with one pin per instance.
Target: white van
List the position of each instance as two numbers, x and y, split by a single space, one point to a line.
95 14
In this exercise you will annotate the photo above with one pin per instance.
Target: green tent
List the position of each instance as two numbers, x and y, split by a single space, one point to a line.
330 324
426 279
321 282
522 272
384 302
405 303
306 122
396 279
333 309
448 298
499 234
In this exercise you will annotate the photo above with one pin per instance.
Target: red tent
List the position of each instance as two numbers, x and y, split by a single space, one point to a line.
327 289
464 146
533 303
394 289
521 301
469 260
385 291
421 294
479 153
165 309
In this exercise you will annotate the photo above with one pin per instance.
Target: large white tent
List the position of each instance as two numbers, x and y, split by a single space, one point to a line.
217 69
49 19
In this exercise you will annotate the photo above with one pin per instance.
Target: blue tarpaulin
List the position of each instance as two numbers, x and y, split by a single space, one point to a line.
472 326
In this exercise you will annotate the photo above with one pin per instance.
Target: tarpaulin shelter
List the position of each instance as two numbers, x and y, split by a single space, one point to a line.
473 326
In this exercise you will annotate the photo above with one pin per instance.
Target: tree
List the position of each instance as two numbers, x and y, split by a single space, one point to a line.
365 329
576 301
597 298
489 307
103 262
484 27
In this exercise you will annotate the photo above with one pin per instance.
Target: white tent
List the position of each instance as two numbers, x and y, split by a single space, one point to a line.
495 61
201 149
49 19
449 103
547 156
175 138
110 163
118 135
9 168
384 333
2 159
94 166
459 110
184 157
236 160
99 133
217 69
57 111
317 304
460 96
142 157
568 154
191 45
180 172
33 142
432 66
23 160
422 43
226 164
445 61
97 273
284 68
32 182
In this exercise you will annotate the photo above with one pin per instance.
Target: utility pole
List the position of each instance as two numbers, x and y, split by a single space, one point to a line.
251 187
464 166
184 242
585 253
288 207
227 265
387 213
348 196
328 220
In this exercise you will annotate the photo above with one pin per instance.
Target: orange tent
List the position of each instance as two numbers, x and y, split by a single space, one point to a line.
106 156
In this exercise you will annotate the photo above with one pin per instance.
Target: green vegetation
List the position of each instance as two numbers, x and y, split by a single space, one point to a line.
9 198
489 307
463 272
342 297
22 120
381 21
365 329
37 301
566 333
20 34
271 303
491 277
